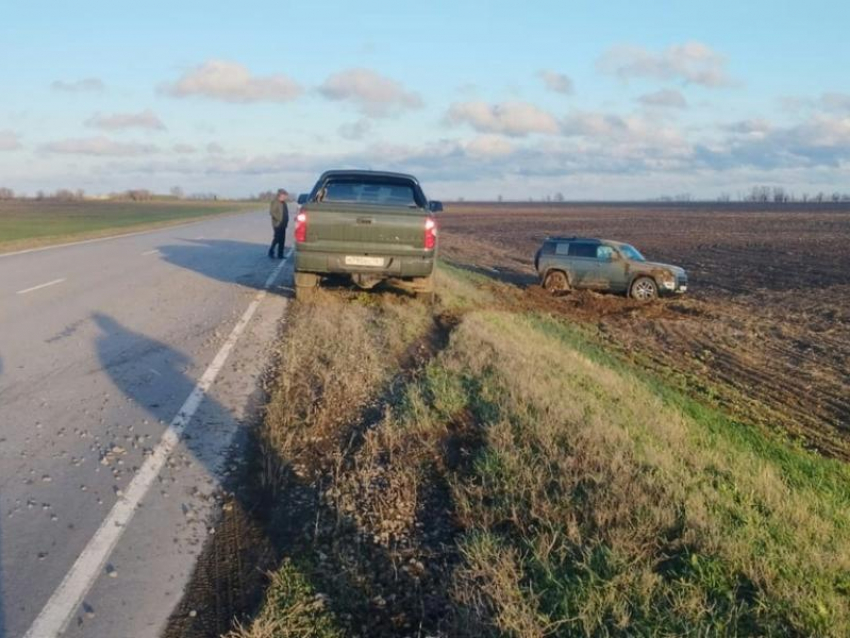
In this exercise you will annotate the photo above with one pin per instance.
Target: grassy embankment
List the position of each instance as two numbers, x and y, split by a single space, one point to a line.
516 479
31 223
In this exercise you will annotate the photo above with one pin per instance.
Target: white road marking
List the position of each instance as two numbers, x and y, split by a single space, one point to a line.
150 252
40 286
63 604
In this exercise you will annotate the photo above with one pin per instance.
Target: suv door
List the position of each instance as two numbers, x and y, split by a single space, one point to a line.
610 269
582 264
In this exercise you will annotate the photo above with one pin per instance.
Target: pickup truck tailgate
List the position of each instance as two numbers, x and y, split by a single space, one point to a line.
352 228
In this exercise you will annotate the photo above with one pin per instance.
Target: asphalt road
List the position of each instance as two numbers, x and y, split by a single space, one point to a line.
103 347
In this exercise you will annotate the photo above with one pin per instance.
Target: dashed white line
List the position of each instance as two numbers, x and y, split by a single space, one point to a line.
40 286
65 601
151 252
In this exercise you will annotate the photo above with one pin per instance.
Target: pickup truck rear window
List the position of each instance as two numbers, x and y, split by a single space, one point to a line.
381 193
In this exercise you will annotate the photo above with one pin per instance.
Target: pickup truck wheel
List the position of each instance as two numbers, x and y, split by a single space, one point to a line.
306 285
556 282
644 289
302 293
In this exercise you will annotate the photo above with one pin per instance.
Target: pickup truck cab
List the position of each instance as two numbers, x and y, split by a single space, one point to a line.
370 226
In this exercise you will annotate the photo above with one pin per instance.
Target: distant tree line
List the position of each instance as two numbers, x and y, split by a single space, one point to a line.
778 195
132 194
766 195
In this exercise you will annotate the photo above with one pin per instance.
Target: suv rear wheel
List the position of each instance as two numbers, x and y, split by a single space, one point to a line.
556 281
644 289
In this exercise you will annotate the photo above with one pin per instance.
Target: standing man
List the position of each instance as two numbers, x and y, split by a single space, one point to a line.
280 218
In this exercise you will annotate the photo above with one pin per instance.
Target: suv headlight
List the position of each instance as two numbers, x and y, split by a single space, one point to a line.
668 281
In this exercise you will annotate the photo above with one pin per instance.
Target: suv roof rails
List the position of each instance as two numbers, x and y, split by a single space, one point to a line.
562 238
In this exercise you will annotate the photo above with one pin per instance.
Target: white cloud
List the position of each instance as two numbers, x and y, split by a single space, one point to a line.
820 140
9 141
755 127
375 95
214 148
100 146
516 119
147 119
489 146
232 82
665 98
691 62
355 130
79 86
838 102
184 149
558 82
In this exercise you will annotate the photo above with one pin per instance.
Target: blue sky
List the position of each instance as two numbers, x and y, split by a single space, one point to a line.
593 100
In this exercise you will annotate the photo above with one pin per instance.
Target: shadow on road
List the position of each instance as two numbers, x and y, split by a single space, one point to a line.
195 255
152 375
260 527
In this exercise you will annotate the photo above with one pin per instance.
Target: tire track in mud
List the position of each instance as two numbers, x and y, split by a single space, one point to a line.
260 525
765 330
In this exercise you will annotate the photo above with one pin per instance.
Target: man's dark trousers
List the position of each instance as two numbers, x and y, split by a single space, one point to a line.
279 236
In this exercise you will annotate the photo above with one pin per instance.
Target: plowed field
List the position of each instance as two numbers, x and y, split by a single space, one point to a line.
765 329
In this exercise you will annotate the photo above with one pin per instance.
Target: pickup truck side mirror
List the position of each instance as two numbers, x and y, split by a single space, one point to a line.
435 207
302 198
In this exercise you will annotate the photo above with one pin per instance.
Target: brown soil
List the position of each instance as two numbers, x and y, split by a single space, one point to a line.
765 329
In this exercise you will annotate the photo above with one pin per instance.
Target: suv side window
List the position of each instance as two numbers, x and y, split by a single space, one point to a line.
579 249
562 248
604 253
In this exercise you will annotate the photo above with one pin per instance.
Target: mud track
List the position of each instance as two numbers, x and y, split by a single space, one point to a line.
765 329
377 589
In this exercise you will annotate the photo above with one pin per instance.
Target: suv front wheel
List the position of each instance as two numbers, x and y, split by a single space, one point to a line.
556 282
644 289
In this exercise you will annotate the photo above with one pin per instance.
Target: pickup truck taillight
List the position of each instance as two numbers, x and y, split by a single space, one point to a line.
301 226
430 234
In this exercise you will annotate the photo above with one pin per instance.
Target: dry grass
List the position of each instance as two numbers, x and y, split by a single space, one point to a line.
337 358
521 482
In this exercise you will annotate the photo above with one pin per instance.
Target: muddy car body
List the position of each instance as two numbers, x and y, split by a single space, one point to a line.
564 263
370 226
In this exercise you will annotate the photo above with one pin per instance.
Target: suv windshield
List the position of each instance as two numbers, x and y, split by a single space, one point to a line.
365 191
630 252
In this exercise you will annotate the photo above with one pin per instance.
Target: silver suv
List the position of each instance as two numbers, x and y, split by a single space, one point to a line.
564 263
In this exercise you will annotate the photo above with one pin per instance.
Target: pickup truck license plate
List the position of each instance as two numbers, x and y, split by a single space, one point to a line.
358 260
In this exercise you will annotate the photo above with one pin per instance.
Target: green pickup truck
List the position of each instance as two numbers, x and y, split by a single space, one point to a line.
369 226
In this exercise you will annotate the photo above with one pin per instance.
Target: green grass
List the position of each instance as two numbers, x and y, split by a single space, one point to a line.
25 223
603 502
292 609
594 498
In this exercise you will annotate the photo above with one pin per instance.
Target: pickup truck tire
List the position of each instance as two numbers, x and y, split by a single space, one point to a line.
556 282
306 285
644 289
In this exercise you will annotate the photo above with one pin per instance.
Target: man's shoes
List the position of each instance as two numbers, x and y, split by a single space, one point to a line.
271 255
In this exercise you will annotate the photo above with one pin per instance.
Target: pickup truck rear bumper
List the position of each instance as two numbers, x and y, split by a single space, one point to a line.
335 263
